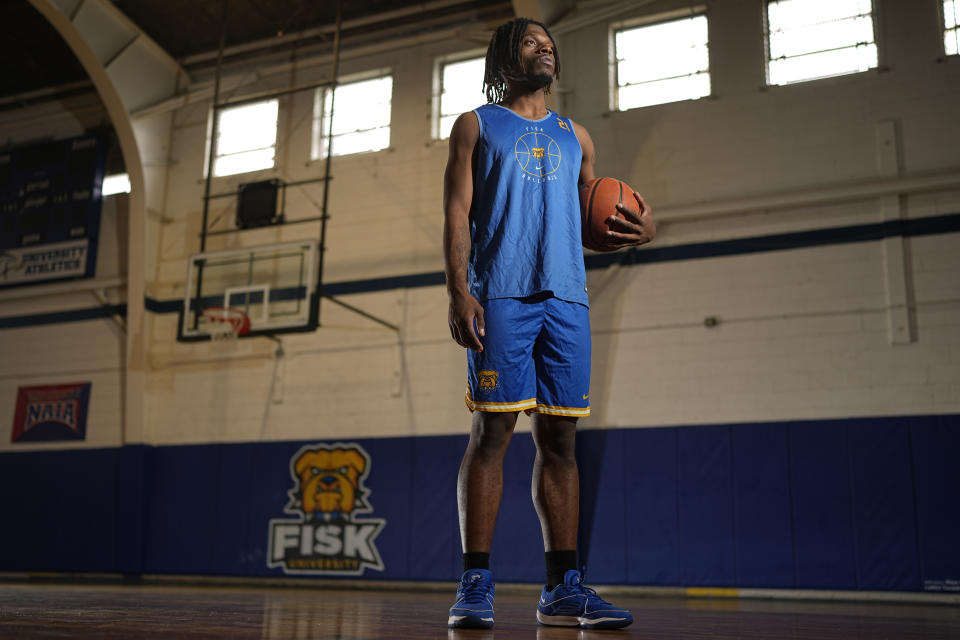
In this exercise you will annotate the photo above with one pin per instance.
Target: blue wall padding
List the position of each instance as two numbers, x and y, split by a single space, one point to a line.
761 506
838 504
59 510
935 445
652 484
517 552
134 464
603 499
433 547
883 505
182 495
825 554
705 508
236 535
407 513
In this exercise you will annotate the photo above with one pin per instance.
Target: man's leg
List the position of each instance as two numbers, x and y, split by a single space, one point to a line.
479 487
564 600
556 483
480 483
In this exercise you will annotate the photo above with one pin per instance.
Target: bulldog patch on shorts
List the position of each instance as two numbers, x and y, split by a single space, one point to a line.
535 358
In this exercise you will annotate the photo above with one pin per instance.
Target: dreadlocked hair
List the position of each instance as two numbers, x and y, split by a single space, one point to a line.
503 58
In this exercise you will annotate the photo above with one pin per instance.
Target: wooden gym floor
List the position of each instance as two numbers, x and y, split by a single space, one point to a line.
31 611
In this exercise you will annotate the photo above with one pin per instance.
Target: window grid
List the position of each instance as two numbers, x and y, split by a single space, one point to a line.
361 117
246 138
667 61
811 39
951 33
460 84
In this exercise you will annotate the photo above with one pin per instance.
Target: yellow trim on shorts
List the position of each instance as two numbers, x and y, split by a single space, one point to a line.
530 405
520 405
573 412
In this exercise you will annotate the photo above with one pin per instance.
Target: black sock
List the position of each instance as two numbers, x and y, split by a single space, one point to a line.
558 563
476 560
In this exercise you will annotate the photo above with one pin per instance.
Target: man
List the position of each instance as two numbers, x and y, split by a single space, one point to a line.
518 303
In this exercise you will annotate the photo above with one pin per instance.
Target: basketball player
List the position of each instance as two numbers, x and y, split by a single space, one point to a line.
518 303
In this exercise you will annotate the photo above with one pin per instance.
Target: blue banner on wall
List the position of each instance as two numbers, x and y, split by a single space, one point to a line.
50 201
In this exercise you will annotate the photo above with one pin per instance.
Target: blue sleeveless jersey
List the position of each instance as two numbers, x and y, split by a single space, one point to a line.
525 217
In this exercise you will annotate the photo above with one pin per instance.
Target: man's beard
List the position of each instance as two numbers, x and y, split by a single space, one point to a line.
541 80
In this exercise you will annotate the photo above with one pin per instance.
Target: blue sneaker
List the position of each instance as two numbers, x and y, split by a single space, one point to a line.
571 604
474 606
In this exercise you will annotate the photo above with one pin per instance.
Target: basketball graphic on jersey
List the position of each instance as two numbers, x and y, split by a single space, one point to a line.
537 153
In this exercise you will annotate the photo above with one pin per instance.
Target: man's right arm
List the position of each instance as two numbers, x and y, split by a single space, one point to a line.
457 198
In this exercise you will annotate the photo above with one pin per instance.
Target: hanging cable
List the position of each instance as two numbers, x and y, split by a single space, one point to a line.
326 175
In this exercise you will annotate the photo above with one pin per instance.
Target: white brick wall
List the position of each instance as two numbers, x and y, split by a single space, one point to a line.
78 352
805 337
802 333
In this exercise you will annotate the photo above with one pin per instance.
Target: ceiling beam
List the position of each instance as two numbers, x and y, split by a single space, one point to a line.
527 9
546 11
324 31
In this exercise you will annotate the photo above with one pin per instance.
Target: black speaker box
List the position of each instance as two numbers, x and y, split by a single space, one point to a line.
257 204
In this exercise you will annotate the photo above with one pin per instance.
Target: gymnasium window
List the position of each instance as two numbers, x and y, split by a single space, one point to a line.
457 88
665 61
114 184
810 39
246 138
361 117
951 34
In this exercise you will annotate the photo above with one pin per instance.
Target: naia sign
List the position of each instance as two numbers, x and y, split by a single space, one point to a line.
51 412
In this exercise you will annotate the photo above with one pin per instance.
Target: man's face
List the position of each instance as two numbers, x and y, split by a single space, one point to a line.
537 56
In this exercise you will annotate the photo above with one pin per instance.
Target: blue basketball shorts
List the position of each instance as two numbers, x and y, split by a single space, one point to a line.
535 358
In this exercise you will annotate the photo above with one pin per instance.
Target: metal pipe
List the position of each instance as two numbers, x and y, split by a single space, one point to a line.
62 289
263 95
295 183
213 133
363 313
326 175
221 232
211 158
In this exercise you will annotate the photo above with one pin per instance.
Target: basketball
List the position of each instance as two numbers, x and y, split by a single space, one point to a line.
598 201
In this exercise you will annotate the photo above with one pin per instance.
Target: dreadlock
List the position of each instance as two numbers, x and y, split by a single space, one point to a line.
503 57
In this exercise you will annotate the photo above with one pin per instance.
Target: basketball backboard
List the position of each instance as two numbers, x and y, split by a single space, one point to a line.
274 286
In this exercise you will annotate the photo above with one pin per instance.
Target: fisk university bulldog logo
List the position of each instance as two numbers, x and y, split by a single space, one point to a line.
328 495
487 379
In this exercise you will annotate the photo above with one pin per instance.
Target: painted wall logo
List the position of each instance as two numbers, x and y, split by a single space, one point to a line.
328 496
51 413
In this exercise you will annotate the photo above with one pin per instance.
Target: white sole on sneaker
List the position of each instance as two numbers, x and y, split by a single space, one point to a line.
455 622
558 621
604 623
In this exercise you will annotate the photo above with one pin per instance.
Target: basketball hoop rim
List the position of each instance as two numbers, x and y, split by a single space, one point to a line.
236 318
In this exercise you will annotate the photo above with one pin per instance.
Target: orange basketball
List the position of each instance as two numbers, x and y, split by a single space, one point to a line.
598 201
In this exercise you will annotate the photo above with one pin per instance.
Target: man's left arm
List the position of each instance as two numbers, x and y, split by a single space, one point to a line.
637 226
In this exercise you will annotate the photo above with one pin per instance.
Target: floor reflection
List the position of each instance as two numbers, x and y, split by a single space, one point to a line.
30 611
471 634
311 615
